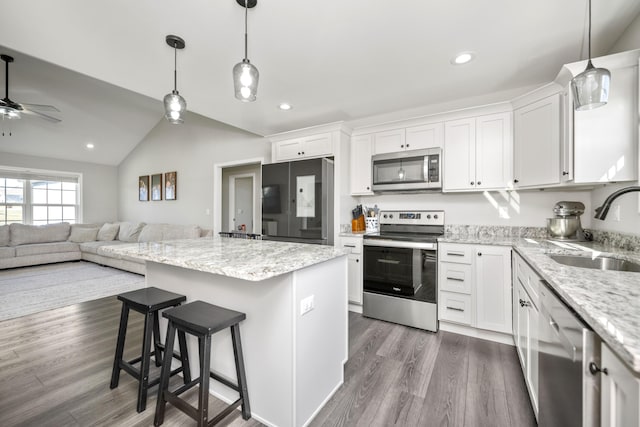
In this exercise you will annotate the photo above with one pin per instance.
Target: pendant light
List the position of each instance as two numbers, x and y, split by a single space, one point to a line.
245 74
174 105
590 87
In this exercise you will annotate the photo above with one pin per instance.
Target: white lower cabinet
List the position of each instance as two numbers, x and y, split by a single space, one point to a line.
620 397
474 283
354 246
525 324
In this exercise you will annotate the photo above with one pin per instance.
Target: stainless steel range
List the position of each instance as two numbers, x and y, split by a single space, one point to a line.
400 268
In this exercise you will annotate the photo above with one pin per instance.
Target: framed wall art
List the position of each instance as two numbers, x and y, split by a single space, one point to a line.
170 185
143 188
156 187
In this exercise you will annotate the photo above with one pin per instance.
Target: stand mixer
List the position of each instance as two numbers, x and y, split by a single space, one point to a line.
566 224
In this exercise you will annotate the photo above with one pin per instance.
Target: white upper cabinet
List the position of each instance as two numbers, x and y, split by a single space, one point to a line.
303 148
537 143
389 141
425 136
478 153
361 148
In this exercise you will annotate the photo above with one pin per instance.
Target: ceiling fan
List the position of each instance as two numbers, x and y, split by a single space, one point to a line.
14 110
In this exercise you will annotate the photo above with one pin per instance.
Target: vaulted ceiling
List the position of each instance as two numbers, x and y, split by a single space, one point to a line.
106 66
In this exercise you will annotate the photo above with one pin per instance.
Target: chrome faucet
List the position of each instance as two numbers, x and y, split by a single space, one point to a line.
602 211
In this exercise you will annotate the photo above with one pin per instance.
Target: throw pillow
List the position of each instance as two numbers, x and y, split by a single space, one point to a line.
4 235
108 232
129 231
83 235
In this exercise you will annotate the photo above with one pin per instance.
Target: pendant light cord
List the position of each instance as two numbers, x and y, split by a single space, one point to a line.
246 9
589 30
175 66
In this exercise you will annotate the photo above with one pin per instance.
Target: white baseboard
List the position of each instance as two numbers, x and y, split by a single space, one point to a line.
477 333
356 308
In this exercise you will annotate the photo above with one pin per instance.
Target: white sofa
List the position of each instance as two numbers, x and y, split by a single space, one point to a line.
24 245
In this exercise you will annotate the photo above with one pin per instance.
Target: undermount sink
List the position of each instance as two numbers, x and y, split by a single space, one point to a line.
599 263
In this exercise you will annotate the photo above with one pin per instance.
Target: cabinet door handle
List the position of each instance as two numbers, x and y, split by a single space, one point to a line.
524 303
455 253
357 260
407 145
454 308
299 153
594 369
303 153
349 246
455 278
401 146
479 183
389 261
516 181
479 253
564 173
368 188
471 182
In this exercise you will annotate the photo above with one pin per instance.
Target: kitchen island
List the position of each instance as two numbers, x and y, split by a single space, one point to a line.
294 361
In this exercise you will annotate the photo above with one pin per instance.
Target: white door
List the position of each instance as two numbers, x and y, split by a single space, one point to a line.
241 209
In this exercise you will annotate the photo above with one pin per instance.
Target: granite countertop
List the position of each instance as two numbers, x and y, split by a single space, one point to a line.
608 301
252 260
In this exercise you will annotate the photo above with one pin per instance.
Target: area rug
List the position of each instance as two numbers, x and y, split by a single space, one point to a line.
44 287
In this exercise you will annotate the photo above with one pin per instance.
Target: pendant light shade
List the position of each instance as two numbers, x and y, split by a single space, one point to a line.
245 74
175 106
590 87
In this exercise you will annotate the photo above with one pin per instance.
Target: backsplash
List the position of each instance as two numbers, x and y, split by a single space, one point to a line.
495 231
627 242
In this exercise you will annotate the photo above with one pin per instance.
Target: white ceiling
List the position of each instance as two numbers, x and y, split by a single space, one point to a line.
333 60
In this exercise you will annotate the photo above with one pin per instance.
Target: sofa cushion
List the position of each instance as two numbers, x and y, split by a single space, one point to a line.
159 232
22 234
129 231
92 247
81 234
4 235
7 252
108 232
46 248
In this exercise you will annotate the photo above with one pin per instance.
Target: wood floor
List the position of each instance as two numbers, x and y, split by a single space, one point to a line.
55 369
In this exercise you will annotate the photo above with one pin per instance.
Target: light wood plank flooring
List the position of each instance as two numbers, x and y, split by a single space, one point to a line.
55 369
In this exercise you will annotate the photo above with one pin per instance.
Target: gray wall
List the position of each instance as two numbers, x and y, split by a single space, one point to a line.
99 183
191 149
630 39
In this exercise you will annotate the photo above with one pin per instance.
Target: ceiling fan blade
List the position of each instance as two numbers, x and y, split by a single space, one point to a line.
42 115
39 107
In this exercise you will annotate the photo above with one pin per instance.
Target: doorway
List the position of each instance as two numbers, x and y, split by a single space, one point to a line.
241 203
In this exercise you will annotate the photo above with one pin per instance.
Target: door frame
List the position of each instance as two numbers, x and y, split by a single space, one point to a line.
217 189
232 199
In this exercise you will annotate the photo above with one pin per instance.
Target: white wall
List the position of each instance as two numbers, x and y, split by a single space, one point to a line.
257 200
528 208
99 183
630 38
191 149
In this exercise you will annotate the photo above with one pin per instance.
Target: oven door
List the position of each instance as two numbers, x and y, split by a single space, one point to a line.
403 272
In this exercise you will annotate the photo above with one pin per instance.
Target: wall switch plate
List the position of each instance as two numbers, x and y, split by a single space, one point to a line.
306 305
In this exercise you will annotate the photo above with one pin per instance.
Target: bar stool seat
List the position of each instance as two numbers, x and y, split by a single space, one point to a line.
202 320
148 301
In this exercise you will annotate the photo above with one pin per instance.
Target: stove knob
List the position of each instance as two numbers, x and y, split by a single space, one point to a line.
384 216
428 216
435 216
390 215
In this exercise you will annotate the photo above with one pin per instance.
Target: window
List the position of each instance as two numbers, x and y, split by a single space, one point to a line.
39 198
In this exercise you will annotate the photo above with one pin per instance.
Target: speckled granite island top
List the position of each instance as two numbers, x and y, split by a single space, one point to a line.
252 260
608 301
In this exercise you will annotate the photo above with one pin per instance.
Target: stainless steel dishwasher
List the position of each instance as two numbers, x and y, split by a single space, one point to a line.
569 354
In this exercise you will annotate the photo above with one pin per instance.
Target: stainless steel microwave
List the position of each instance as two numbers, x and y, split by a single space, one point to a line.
411 170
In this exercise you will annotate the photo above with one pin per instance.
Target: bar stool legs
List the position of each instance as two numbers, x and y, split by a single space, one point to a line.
203 320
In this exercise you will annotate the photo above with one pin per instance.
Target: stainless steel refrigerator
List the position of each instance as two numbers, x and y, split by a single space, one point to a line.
297 201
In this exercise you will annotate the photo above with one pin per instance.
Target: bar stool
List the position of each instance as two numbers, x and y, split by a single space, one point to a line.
148 301
202 320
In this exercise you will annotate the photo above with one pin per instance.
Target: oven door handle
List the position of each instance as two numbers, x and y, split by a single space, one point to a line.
399 244
388 261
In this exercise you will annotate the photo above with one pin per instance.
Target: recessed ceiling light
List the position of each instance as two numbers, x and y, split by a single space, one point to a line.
90 146
463 58
284 106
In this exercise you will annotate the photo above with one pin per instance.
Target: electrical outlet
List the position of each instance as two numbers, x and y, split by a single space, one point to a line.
306 305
